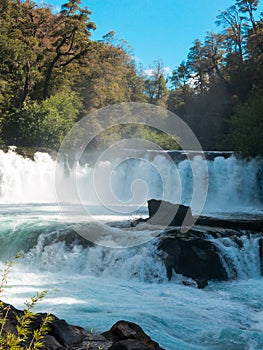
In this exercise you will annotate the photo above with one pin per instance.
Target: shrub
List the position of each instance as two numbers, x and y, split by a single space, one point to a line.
43 123
24 337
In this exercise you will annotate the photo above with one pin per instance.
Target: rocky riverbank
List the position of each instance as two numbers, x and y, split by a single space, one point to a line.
123 335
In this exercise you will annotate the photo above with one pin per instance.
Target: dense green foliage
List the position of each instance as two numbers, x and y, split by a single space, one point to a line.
248 134
43 123
52 73
218 90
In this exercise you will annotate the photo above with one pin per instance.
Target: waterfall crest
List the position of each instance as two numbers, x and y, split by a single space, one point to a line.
235 185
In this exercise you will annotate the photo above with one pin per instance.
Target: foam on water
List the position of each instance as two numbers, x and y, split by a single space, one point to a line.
96 286
223 316
235 185
23 180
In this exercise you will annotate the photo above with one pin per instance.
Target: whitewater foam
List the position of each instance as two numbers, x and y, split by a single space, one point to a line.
235 185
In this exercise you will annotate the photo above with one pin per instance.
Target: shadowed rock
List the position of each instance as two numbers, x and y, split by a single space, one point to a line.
169 214
129 336
238 224
63 336
261 253
191 255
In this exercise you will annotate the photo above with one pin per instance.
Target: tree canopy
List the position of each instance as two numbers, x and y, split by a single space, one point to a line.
52 73
218 90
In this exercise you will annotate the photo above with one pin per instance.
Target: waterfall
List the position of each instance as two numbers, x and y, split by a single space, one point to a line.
240 256
95 282
23 180
234 185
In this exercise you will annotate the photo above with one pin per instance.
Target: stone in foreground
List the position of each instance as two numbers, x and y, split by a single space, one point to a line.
129 336
62 336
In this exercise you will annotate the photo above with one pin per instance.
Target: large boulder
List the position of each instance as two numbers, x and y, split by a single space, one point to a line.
169 214
191 255
129 336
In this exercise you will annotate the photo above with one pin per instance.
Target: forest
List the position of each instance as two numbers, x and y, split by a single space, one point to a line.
52 73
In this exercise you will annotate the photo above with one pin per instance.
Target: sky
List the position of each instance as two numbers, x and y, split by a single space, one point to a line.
155 29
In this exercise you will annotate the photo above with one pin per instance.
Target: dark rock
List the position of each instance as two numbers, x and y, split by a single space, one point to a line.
63 336
94 342
10 313
192 253
65 333
130 344
201 283
169 214
236 224
51 343
129 336
193 256
261 253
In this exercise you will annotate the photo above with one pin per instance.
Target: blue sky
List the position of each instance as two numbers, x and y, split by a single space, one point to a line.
156 29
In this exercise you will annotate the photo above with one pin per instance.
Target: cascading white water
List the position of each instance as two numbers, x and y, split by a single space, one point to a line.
23 180
239 256
96 286
234 184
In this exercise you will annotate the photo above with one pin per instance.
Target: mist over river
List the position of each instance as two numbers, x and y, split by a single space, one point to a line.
94 285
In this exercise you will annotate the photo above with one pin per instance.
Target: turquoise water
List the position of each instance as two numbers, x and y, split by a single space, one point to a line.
96 286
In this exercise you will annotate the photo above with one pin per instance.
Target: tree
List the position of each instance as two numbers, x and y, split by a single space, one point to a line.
247 126
198 64
19 48
43 123
248 6
107 75
155 85
69 39
182 91
255 53
181 75
214 51
233 25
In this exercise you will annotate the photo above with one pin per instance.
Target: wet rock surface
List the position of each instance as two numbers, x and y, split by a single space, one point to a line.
194 251
236 224
166 213
123 335
129 336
